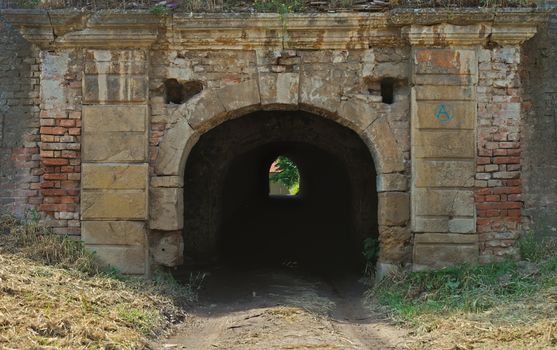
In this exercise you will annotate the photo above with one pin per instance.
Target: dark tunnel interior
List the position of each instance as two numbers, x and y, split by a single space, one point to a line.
231 218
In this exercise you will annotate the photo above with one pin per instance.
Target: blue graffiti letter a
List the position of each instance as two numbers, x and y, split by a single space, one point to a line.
442 115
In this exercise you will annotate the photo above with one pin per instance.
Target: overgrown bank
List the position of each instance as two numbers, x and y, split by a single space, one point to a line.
53 294
507 305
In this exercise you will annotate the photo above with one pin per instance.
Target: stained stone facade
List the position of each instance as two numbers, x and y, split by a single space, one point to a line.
112 151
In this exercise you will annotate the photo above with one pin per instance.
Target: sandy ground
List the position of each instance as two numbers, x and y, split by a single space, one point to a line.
282 309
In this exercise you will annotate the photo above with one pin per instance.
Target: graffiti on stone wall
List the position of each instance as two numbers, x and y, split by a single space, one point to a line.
442 113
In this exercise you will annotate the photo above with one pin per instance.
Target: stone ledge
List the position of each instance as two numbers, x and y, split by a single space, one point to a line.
71 28
113 232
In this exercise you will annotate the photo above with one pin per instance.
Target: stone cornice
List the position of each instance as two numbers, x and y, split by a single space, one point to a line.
103 29
420 27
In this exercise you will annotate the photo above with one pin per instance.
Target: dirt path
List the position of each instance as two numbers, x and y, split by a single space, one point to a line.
282 309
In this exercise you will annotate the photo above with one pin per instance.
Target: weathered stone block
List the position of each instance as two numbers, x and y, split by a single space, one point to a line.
114 88
114 67
386 153
437 250
239 96
462 225
459 115
436 79
391 182
395 244
445 61
166 209
99 118
167 181
443 202
113 232
444 144
317 90
175 148
444 173
444 93
429 224
357 112
166 247
114 176
281 88
395 70
394 208
115 147
121 204
203 110
127 259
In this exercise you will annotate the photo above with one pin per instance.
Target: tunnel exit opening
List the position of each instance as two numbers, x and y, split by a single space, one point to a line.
231 215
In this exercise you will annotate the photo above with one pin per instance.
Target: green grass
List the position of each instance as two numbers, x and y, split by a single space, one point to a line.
143 320
467 288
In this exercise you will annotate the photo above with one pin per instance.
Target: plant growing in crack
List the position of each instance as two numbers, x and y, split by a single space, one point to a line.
283 8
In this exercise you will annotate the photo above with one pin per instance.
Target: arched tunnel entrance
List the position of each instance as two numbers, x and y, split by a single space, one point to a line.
230 217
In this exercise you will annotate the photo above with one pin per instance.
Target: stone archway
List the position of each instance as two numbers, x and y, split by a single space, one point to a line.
214 106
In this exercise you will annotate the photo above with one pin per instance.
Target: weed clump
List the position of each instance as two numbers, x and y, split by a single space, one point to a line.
37 242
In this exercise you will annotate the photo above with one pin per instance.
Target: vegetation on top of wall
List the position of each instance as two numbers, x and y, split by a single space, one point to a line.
55 295
255 6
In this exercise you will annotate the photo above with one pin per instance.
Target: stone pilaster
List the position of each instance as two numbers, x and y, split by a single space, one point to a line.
443 151
115 160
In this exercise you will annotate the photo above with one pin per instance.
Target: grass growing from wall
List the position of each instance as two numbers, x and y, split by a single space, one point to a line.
54 294
501 305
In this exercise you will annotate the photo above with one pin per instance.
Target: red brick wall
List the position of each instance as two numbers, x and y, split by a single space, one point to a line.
498 193
60 146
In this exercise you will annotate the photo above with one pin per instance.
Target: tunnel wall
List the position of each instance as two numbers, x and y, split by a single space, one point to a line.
337 200
113 150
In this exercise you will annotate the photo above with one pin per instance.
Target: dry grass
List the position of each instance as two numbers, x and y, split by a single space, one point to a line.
53 295
527 324
507 305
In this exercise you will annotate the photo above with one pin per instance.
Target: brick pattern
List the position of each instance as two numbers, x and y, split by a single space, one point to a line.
60 146
19 111
498 182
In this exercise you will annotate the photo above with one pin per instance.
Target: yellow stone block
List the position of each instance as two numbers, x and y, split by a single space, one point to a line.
120 204
127 259
445 93
101 118
113 232
115 147
445 115
114 176
444 144
444 173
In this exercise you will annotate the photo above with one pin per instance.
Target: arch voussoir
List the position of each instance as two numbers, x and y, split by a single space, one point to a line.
384 147
174 148
279 90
